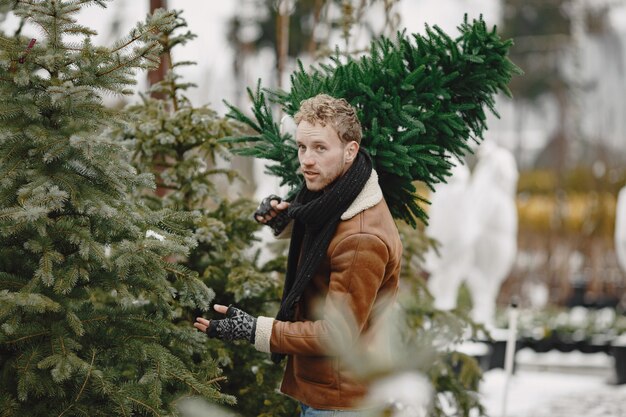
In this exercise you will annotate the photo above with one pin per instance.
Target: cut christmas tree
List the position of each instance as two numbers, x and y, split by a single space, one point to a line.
420 98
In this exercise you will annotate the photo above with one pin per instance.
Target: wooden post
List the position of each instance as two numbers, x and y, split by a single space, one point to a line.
158 74
282 41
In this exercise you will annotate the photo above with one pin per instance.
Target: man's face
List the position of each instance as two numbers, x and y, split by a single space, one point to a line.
323 156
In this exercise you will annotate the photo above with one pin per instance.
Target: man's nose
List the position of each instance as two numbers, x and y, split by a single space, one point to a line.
307 159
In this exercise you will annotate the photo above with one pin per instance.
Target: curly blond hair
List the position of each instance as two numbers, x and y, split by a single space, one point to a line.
337 112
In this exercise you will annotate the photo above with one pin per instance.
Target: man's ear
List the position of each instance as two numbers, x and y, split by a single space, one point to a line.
352 149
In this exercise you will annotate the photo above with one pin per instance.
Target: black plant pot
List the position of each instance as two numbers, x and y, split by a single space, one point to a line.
498 352
585 346
619 353
543 345
564 343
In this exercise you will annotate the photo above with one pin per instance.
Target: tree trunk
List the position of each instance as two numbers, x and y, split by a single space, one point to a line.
282 41
157 75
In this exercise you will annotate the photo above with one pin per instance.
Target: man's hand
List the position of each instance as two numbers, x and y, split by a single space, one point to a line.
272 212
238 325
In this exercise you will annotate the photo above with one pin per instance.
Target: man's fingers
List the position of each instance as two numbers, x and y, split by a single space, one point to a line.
276 205
201 324
220 308
269 216
282 205
279 206
203 321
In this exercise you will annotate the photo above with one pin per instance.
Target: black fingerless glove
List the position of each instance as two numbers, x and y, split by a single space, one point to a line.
277 223
238 325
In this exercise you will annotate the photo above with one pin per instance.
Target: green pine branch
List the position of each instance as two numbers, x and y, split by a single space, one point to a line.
421 99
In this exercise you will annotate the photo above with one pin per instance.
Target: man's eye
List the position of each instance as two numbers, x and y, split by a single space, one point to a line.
321 148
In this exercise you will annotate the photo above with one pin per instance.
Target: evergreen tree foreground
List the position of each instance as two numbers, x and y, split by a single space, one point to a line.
88 298
180 144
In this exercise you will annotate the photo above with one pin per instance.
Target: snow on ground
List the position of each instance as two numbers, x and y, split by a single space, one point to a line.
556 384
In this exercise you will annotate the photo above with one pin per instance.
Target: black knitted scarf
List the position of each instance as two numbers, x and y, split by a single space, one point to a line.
316 216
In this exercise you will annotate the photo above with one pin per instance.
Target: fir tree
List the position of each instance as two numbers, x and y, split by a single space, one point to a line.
420 100
87 289
180 144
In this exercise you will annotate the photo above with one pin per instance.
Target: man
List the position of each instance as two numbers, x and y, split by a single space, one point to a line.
343 265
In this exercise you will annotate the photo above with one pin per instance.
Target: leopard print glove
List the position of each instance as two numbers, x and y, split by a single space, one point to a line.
238 325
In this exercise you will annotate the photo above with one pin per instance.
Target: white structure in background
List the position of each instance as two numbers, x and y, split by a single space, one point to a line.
493 189
620 229
449 224
475 221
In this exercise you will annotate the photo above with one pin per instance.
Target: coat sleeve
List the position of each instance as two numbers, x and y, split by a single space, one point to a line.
357 270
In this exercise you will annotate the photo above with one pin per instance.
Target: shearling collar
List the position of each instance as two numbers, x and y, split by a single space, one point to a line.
370 195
